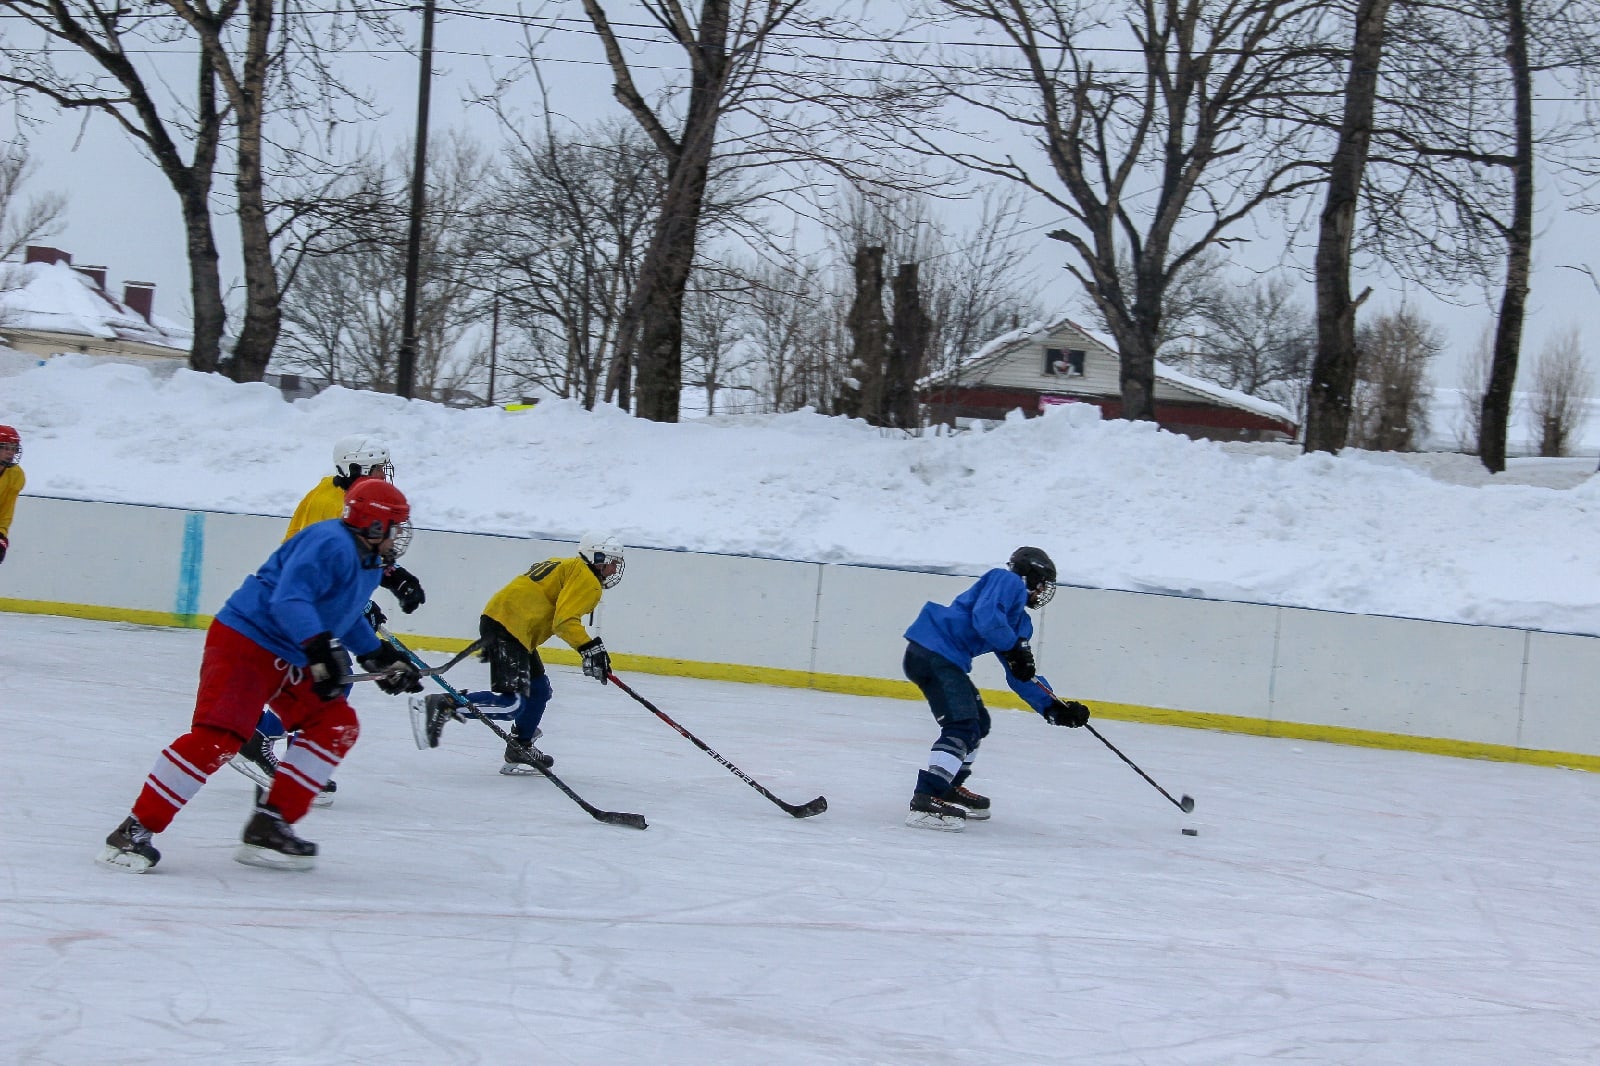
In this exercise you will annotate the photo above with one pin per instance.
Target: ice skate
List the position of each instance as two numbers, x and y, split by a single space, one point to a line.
128 848
256 760
269 842
930 812
429 716
976 806
518 763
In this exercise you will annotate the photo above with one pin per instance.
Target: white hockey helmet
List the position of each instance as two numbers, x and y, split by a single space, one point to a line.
600 550
362 455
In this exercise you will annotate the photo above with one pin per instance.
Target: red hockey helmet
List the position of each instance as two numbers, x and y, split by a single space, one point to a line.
375 508
10 446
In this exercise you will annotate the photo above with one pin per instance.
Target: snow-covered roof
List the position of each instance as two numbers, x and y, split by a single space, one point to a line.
1035 332
56 298
1211 390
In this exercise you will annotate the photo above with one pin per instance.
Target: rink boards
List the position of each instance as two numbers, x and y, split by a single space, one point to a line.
1480 691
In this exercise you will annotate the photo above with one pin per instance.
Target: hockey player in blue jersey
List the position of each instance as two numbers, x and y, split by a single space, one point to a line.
284 639
991 616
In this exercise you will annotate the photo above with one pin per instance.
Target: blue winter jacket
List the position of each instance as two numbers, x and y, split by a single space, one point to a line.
991 616
319 580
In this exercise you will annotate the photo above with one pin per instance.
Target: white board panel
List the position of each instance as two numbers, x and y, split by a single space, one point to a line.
709 608
107 554
1559 711
1159 651
1397 675
863 614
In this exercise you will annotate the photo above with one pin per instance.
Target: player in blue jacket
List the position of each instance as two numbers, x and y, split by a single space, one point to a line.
990 616
283 639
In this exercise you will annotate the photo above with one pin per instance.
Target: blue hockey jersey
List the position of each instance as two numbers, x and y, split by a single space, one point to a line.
318 580
989 617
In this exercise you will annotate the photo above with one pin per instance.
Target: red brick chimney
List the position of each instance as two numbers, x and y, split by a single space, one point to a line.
140 296
38 253
96 274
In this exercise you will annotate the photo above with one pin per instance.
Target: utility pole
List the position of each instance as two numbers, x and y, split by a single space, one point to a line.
406 364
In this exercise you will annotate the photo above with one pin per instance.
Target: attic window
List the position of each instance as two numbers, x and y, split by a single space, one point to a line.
1067 363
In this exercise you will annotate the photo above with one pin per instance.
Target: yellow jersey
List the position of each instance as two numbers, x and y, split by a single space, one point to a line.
320 504
11 482
549 600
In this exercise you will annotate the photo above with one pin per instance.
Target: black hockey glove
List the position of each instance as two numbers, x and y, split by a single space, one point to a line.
596 662
1069 713
406 588
327 665
1020 661
400 673
4 544
375 615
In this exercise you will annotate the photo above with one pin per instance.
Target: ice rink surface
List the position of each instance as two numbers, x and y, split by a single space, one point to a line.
1338 906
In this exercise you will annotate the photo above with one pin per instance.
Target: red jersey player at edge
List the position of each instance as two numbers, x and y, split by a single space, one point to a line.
283 639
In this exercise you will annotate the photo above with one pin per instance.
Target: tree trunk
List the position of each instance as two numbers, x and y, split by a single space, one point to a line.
909 352
205 280
663 278
651 333
1519 252
263 315
869 336
1333 373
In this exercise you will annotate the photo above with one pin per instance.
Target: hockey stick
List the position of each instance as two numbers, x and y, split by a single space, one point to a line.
803 810
632 821
429 672
1185 805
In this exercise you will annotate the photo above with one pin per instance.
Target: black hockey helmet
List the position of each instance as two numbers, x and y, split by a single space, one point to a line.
1037 571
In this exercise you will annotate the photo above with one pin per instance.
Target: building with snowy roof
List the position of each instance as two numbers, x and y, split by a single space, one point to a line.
49 307
1042 364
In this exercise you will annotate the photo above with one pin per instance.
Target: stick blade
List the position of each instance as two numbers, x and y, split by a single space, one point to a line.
1187 804
632 821
808 810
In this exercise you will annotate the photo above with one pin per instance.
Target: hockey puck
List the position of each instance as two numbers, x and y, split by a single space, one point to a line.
1191 832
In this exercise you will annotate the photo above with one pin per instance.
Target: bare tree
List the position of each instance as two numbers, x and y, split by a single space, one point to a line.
343 314
563 235
1333 372
253 60
1254 338
24 221
1559 399
1154 162
794 324
973 280
723 46
1389 410
716 356
1474 373
182 132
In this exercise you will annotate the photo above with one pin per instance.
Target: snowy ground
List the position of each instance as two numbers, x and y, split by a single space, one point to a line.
1339 905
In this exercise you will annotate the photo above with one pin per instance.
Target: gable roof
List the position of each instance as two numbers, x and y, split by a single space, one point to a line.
55 298
976 366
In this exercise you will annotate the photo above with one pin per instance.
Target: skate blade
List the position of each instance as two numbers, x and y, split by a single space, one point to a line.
941 822
127 861
322 799
250 770
419 722
517 769
976 815
268 859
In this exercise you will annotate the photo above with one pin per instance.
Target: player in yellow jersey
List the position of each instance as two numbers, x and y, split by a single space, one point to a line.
549 600
355 459
11 483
